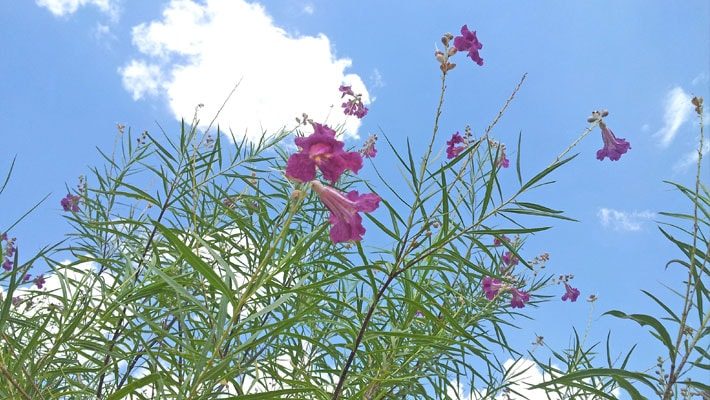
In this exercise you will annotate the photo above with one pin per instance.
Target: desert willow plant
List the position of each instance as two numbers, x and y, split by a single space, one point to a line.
681 371
201 268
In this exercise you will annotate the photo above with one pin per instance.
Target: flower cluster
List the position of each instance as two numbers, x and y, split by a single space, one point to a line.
321 150
455 145
613 147
492 287
468 41
354 105
9 251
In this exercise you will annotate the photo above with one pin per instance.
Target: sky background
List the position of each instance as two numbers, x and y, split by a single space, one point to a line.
72 69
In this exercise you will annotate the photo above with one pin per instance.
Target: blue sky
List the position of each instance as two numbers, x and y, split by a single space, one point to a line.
74 69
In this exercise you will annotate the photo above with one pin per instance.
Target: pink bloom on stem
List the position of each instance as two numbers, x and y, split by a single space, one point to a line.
40 281
570 293
509 259
346 223
346 90
503 160
70 203
491 287
3 236
613 147
498 242
451 150
7 265
355 107
419 313
519 298
469 42
27 278
321 149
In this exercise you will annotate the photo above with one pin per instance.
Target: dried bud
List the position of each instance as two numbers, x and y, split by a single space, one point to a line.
604 113
446 39
698 103
452 51
297 195
440 57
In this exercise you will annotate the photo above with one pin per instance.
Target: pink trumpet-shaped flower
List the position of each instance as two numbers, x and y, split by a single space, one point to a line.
469 42
321 149
452 151
613 147
40 281
570 293
70 203
346 223
491 287
519 298
509 259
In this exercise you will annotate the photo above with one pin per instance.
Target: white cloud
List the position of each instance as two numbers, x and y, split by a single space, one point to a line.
521 375
141 78
677 111
622 220
309 9
61 8
205 48
690 158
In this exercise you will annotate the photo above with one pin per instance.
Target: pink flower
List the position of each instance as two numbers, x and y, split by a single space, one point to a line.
354 105
451 150
368 149
509 259
469 42
321 149
498 242
519 298
491 287
7 265
40 281
346 223
570 293
613 147
346 90
10 247
503 160
70 203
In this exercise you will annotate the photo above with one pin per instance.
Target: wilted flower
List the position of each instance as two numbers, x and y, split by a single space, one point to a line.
452 151
613 147
499 241
40 281
368 149
570 293
16 300
469 42
509 259
519 298
491 287
321 149
346 223
70 203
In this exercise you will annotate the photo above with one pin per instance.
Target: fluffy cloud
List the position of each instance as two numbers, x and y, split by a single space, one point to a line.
677 111
691 158
521 375
622 220
62 8
197 51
